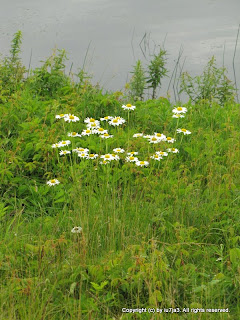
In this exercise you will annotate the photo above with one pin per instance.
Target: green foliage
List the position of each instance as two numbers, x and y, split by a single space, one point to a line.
156 71
137 82
213 85
50 78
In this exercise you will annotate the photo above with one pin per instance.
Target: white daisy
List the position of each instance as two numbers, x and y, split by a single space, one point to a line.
128 107
178 115
131 159
142 163
147 136
133 153
71 117
173 150
154 139
55 145
87 132
83 155
74 134
185 131
118 150
60 116
90 120
107 118
179 110
136 135
53 182
170 140
100 131
104 162
107 157
117 121
115 157
160 136
64 143
64 152
76 230
156 157
93 125
79 150
106 136
92 156
162 153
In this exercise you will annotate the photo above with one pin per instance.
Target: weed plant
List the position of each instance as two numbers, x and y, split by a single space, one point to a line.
82 238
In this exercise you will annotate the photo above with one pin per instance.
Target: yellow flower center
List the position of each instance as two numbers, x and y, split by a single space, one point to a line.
158 134
100 129
61 115
53 181
173 149
115 121
107 156
71 117
106 134
92 120
156 156
106 117
131 158
93 124
128 105
169 138
118 150
179 108
91 155
83 155
184 130
154 139
88 131
118 118
161 152
64 142
74 133
142 162
104 161
80 149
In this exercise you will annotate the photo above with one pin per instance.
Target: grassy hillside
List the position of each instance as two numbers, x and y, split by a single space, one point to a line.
165 235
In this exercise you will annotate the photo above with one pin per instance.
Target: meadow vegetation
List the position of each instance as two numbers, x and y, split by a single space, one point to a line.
115 234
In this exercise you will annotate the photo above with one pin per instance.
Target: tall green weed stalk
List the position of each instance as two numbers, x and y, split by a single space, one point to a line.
138 82
212 85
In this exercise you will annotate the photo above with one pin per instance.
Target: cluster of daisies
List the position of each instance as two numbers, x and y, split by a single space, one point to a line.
93 126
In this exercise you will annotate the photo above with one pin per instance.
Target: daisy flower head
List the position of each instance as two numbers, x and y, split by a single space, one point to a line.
178 115
53 182
90 120
71 118
55 145
160 136
60 116
128 107
76 230
173 150
104 162
179 110
170 140
115 157
64 152
136 135
74 134
116 121
156 157
142 163
64 143
107 157
131 159
185 131
154 139
81 150
92 156
132 153
107 118
83 155
87 132
118 150
100 131
93 125
162 153
106 136
148 136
